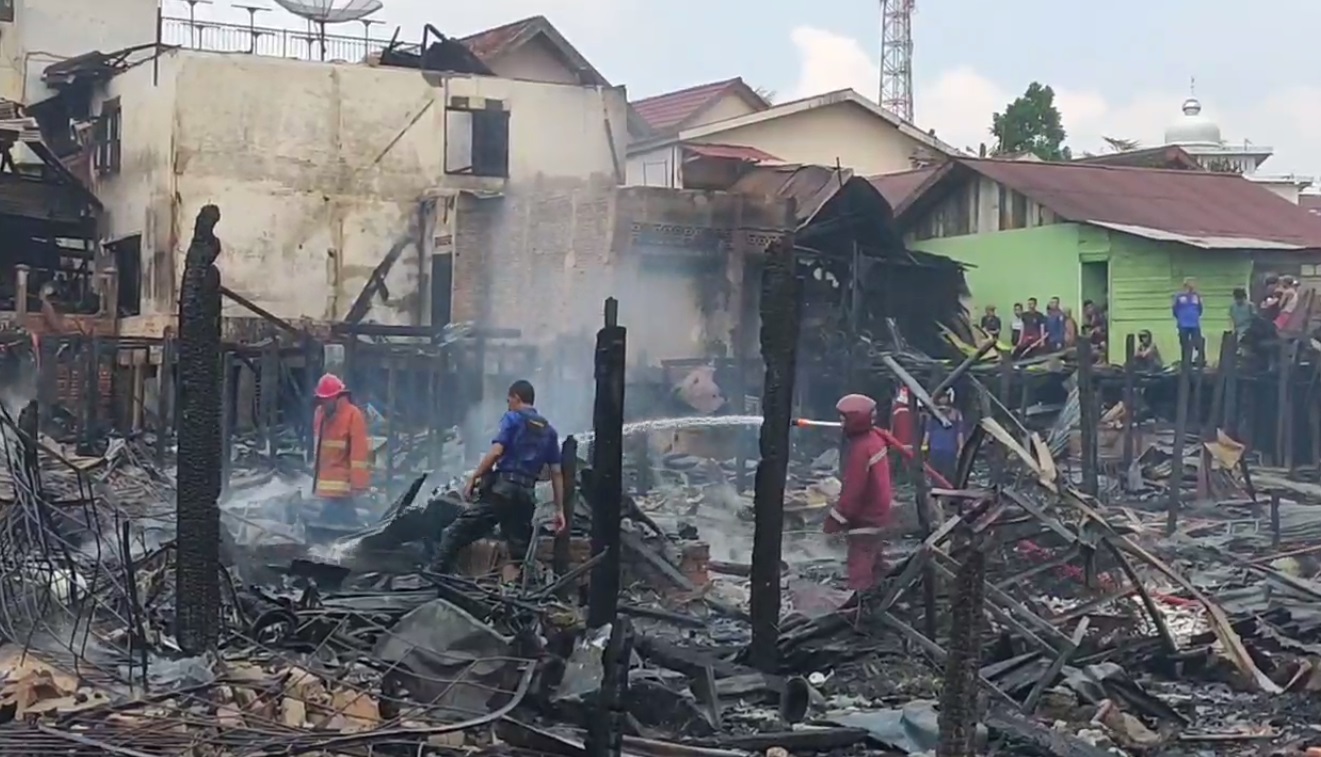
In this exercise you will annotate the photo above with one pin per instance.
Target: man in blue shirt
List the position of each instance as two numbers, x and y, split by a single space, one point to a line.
524 449
1187 309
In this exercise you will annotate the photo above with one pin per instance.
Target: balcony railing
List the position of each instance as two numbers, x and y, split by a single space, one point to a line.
301 44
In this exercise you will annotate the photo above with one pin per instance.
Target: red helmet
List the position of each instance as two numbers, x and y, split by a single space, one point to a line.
857 411
330 387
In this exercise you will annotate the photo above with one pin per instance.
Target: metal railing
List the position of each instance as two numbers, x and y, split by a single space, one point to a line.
301 44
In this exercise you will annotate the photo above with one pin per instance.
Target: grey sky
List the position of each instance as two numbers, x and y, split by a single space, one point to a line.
1121 68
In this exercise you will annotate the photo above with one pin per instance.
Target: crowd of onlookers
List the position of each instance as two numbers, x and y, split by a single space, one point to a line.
1033 332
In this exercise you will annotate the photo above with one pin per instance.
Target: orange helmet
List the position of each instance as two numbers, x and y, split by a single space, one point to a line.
330 387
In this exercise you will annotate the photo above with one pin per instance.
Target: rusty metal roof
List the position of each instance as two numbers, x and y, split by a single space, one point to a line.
672 109
1201 208
732 152
897 187
809 186
491 43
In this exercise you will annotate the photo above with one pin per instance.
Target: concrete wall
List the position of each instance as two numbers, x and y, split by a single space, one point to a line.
316 185
47 31
844 131
1011 266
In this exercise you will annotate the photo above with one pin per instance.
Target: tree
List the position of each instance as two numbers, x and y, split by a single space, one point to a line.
1031 124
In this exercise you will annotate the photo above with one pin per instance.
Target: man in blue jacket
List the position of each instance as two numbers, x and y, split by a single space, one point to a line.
1187 311
525 447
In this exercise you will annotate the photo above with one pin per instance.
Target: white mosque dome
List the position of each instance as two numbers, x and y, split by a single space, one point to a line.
1193 128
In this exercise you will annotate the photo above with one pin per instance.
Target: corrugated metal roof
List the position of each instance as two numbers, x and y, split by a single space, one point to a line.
671 109
1199 204
733 152
897 187
809 186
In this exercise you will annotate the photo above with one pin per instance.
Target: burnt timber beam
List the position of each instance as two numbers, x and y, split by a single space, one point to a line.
265 314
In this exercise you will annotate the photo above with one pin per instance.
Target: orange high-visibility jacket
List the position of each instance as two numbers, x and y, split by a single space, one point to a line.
343 453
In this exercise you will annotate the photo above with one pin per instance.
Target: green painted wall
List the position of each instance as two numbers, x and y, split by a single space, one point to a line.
1145 274
1011 266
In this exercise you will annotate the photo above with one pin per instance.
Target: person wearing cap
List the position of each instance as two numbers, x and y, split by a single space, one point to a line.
343 452
865 494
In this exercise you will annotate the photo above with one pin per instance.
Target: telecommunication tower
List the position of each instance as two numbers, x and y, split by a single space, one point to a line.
897 57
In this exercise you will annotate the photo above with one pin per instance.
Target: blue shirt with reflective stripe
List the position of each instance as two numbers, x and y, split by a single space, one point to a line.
511 423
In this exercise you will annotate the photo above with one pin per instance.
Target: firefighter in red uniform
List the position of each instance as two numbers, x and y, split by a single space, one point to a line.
864 500
902 425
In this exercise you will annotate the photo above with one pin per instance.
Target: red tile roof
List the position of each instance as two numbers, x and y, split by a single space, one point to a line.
734 152
670 110
897 187
1199 204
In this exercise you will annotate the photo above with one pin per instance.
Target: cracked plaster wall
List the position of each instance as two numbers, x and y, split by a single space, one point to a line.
320 168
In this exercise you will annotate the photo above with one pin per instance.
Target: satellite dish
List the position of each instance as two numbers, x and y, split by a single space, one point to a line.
322 12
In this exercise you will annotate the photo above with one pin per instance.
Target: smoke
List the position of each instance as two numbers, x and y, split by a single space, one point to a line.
19 388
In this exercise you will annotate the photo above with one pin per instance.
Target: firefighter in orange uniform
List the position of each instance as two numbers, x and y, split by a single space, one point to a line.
343 453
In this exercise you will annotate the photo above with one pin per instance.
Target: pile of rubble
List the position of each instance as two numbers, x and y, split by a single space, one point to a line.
1098 634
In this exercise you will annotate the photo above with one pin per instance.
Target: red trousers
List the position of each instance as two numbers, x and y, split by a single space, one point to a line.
866 560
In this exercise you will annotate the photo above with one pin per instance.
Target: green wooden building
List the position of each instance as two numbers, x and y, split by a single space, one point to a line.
1127 237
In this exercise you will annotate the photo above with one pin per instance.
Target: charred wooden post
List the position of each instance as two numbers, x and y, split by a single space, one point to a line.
607 468
569 469
779 350
1229 369
91 388
165 396
1211 422
270 395
48 369
1088 418
391 421
605 732
198 562
228 417
1284 376
922 501
1130 404
1275 519
29 420
1180 433
313 366
958 697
